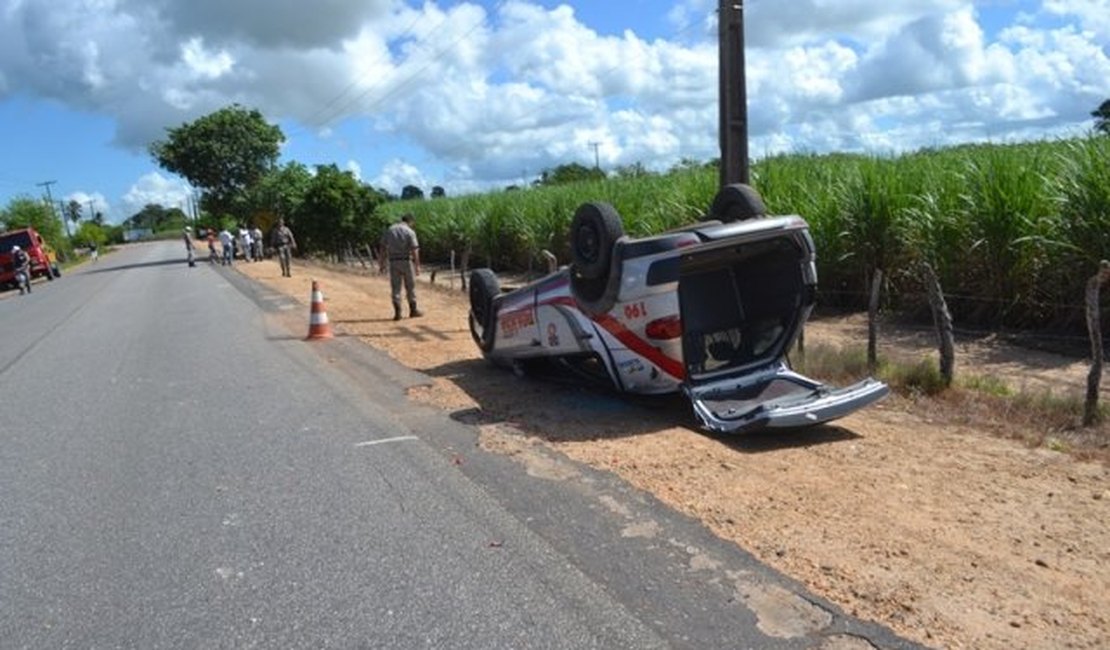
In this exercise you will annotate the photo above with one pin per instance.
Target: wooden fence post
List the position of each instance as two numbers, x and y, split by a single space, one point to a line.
1094 330
942 321
464 264
873 322
552 261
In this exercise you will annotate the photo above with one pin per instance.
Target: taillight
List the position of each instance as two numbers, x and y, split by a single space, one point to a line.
660 329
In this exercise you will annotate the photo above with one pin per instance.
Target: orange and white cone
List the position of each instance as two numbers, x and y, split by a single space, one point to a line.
318 325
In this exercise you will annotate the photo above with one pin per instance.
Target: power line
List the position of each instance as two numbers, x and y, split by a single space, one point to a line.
404 83
312 119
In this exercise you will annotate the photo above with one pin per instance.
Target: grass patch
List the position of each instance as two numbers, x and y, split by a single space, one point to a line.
1039 419
983 384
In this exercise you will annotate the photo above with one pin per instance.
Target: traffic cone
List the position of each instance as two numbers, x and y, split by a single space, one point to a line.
318 325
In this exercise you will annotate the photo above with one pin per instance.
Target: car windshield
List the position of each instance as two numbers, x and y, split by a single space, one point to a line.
21 239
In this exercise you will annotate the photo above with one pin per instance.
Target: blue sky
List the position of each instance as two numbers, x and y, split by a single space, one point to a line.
479 95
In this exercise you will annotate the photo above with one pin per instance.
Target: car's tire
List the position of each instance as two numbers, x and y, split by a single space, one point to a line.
594 230
737 202
55 271
484 287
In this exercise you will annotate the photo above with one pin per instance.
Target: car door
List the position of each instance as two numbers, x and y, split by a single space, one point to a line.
776 398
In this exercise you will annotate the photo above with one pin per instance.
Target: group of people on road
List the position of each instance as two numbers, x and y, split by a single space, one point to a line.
247 243
400 253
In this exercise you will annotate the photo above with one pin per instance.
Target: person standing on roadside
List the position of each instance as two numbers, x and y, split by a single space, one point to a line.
281 238
227 243
245 243
190 250
401 250
259 244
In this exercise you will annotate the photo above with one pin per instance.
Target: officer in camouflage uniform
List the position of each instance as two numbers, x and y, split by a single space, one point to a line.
401 251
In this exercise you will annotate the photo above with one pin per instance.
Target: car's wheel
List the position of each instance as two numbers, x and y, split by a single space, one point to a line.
484 287
55 271
596 227
737 202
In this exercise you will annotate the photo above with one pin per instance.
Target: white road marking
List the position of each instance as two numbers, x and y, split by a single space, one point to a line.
385 440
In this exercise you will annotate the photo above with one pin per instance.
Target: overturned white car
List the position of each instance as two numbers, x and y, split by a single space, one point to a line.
709 310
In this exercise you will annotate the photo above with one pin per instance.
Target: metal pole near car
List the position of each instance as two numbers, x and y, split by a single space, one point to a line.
733 97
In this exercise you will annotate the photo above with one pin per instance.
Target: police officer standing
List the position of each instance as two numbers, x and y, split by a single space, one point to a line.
401 250
284 243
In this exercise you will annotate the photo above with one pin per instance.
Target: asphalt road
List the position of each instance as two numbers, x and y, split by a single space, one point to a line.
179 469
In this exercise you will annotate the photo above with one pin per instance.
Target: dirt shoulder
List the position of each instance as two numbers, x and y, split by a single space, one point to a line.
912 514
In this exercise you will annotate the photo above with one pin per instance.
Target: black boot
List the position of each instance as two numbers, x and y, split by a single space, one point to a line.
413 311
396 311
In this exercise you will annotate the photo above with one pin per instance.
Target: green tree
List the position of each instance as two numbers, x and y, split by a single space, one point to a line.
279 193
635 170
572 173
410 192
25 212
72 212
90 233
337 210
157 218
1102 117
224 154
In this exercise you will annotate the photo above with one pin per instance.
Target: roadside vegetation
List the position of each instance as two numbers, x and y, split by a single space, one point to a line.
1013 231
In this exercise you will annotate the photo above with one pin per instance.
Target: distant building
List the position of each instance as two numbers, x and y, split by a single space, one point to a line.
135 234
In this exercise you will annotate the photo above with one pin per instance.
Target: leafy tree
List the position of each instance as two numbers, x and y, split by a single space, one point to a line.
572 173
337 210
157 218
1102 117
90 233
438 192
25 212
279 193
409 192
73 211
223 153
689 164
635 170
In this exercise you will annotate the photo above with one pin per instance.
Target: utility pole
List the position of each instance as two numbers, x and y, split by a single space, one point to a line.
733 97
50 202
597 158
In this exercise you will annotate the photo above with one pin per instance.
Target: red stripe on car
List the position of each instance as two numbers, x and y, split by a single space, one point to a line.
641 347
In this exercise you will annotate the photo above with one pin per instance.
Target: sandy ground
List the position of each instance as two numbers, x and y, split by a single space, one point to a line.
913 513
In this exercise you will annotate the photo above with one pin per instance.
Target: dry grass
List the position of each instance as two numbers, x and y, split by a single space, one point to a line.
1040 419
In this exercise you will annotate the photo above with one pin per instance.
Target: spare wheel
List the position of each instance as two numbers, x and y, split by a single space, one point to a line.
596 227
737 202
484 287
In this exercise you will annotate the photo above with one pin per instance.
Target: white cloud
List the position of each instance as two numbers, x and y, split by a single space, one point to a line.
90 204
396 174
1094 15
203 63
154 188
354 168
488 99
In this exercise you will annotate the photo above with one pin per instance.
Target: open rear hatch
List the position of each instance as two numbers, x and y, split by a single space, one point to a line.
744 294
